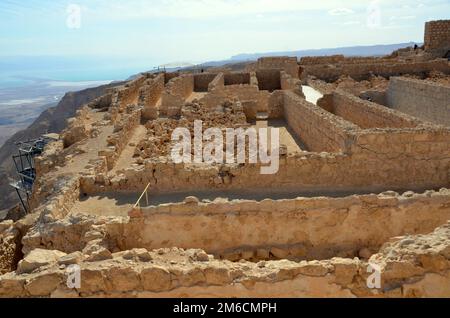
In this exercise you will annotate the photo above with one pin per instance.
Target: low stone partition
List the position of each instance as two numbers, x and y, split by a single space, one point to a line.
331 73
410 266
308 229
368 115
119 140
58 200
77 129
422 99
319 130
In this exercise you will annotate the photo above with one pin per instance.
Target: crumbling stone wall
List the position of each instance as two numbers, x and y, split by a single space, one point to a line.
122 133
437 37
331 73
425 100
129 93
78 128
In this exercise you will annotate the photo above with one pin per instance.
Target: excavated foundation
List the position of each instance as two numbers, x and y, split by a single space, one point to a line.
361 190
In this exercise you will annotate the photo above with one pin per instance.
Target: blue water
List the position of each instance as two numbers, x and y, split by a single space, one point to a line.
25 71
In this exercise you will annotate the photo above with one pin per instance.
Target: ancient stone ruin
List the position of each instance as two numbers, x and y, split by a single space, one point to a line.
360 205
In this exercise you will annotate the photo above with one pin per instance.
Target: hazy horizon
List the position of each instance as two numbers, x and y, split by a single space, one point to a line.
199 30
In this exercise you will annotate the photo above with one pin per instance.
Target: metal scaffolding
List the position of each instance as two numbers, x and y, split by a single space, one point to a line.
25 167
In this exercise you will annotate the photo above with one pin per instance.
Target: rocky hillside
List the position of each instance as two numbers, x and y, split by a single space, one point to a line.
53 120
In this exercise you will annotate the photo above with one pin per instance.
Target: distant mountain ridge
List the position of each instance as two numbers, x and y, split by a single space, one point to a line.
371 50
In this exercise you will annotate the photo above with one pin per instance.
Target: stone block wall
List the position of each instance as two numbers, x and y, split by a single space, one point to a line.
319 130
287 64
425 100
175 94
313 60
331 73
437 37
237 78
319 228
119 140
129 93
217 83
149 96
169 76
202 81
368 115
269 80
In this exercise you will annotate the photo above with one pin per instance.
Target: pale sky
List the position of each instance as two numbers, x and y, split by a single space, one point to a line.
199 30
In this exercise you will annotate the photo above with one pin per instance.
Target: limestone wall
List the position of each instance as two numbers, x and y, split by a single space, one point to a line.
287 64
129 93
319 228
202 81
217 83
411 266
318 129
437 37
269 80
119 140
331 73
149 96
366 114
169 76
237 78
78 128
313 60
425 100
175 94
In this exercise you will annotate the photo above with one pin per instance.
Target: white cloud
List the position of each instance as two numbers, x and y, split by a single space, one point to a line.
341 11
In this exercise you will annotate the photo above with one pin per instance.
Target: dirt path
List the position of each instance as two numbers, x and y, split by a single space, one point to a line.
126 157
196 95
90 150
287 137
